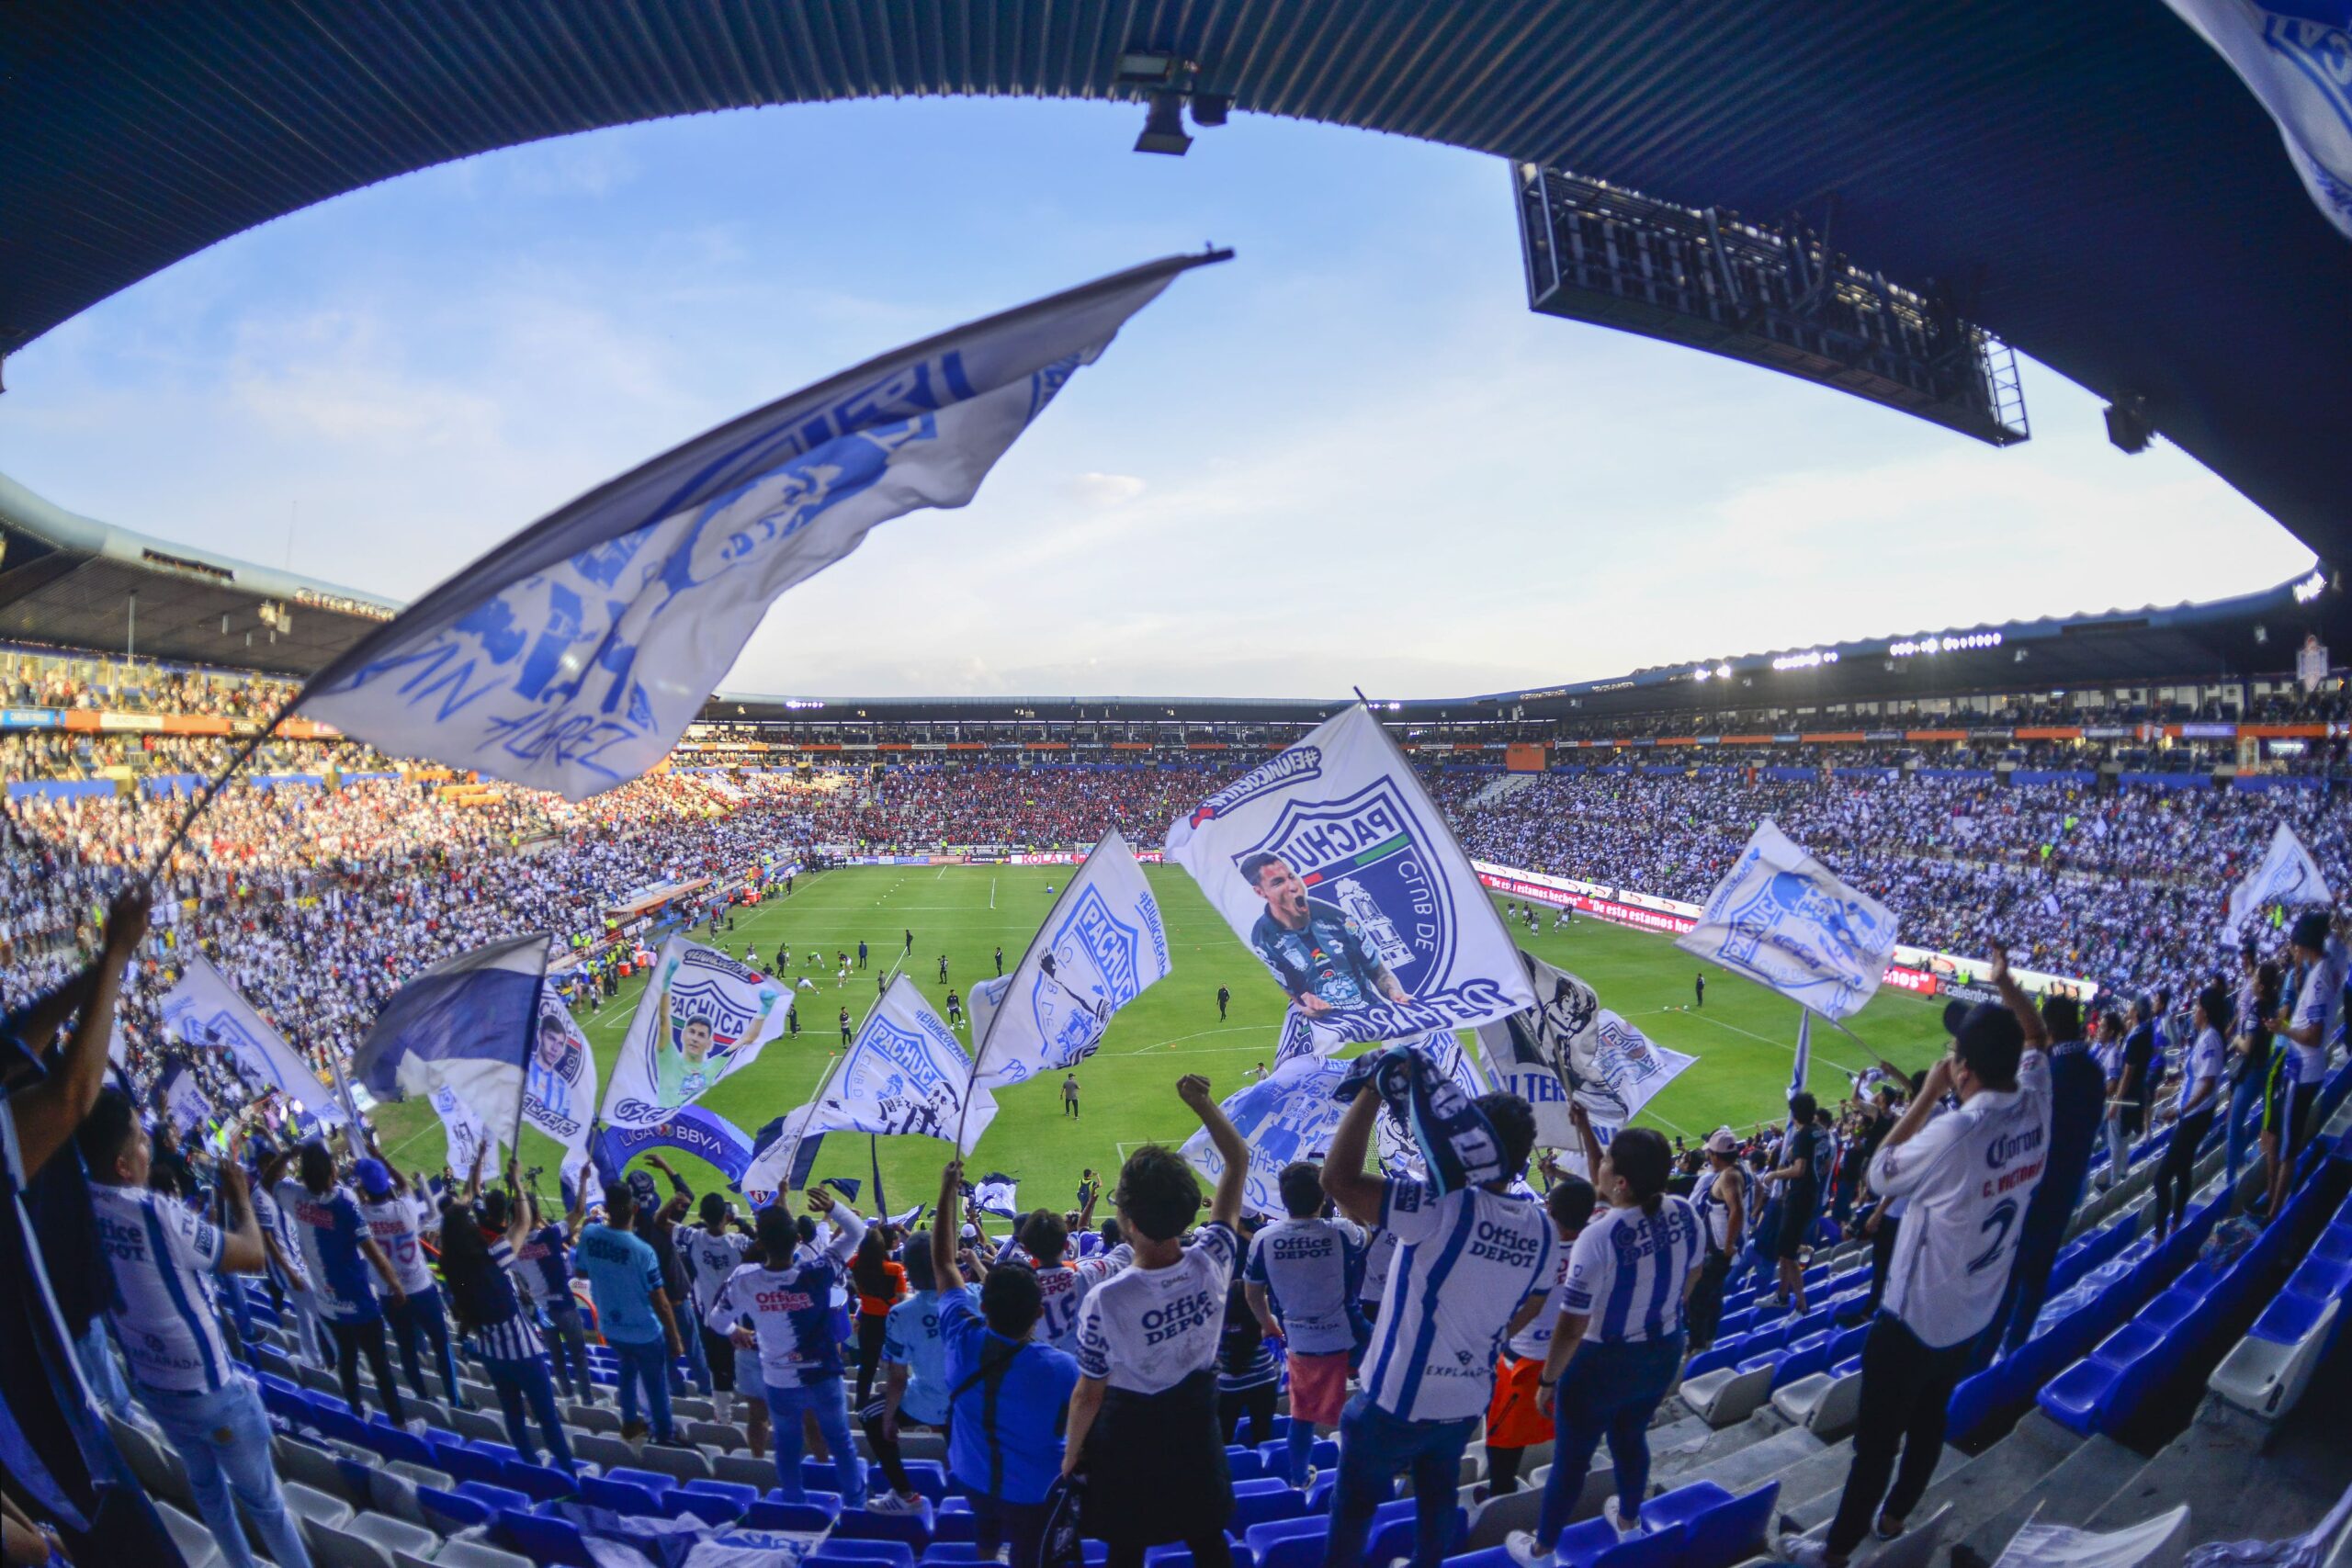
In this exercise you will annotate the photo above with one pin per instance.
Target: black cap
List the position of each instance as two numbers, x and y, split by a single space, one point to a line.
1954 1011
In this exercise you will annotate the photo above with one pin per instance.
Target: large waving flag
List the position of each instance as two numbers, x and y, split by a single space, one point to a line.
1101 945
905 1074
704 1016
2296 57
204 1009
2287 876
461 1031
1332 863
467 1135
572 656
1568 1045
1783 919
559 1082
185 1100
1289 1114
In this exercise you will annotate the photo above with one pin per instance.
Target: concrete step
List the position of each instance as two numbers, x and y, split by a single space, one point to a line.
2035 1446
2242 1478
2068 1493
1817 1511
1743 1470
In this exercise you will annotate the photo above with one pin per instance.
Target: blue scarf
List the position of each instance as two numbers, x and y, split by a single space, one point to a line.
1457 1142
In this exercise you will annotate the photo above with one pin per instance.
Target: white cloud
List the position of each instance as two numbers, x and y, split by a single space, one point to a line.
1105 489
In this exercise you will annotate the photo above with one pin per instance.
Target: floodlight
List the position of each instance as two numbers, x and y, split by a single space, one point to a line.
1210 108
1163 126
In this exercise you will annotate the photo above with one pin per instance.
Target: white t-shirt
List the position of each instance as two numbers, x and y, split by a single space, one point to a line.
1306 1267
711 1261
1464 1262
1966 1176
1065 1288
2206 1059
1627 1269
1535 1340
160 1251
394 1225
2318 1001
1379 1252
1145 1330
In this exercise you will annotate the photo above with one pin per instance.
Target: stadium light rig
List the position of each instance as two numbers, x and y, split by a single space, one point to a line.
1809 659
1954 644
2311 586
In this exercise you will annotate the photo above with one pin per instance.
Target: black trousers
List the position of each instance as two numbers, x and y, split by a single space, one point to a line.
366 1337
870 1328
1905 1388
1258 1403
1881 1256
1706 1309
2177 1175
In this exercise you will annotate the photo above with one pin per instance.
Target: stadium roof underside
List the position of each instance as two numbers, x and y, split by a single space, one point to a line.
2089 179
67 581
2228 639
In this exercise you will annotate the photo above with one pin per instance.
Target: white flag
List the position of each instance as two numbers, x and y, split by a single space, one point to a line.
1783 919
204 1009
184 1100
997 1193
2287 876
1101 945
560 1084
1393 1141
466 1025
1289 1114
1332 863
2297 59
1570 1045
904 1074
702 1016
467 1133
573 655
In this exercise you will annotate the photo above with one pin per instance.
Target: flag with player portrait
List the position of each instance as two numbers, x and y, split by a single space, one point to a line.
560 1081
1333 864
1784 921
1101 945
1289 1114
703 1016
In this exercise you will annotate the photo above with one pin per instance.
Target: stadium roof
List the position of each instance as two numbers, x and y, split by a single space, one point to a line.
69 581
2089 178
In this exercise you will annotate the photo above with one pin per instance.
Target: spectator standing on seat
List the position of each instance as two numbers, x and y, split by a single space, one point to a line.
417 1314
1967 1176
2250 1046
477 1259
1723 1203
1303 1274
1063 1285
633 1311
712 1249
2305 1034
158 1251
1617 1347
1464 1264
881 1283
1804 1159
914 1382
1143 1423
2077 1095
546 1256
2200 1092
1005 1391
2127 1110
790 1304
337 1254
1516 1421
1249 1378
656 1223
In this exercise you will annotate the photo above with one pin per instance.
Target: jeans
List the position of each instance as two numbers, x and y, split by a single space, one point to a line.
95 1351
2038 1238
1761 1259
1609 1391
1374 1446
421 1316
1905 1390
2246 1121
646 1367
829 1403
522 1382
353 1338
567 1342
223 1439
997 1523
697 1366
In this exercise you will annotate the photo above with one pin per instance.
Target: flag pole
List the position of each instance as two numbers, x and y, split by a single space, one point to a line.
253 744
784 1183
980 1050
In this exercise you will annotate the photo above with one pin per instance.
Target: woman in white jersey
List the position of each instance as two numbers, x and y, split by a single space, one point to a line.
1618 1343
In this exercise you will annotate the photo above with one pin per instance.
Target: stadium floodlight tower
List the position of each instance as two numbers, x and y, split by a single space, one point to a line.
1782 300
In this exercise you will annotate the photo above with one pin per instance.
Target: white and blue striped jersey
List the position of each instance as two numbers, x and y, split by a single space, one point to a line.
1714 1214
393 1223
791 1309
160 1251
2206 1060
1627 1271
1463 1264
510 1338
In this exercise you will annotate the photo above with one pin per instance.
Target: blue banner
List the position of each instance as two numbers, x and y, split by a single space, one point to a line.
714 1140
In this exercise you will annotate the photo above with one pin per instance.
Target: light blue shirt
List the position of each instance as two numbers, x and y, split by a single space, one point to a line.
622 1273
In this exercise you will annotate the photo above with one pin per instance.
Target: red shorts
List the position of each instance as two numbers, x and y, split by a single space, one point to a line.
1512 1420
1318 1387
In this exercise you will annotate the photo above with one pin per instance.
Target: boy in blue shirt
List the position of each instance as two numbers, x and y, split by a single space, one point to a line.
1005 1391
624 1275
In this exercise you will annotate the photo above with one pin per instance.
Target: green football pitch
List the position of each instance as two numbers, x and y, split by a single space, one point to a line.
1745 1037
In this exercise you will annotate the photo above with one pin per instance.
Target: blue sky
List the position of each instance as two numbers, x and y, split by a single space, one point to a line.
1351 457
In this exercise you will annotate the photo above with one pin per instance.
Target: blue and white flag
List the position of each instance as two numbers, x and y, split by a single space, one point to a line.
2288 876
703 1016
710 1138
205 1010
780 1159
1393 1139
573 655
468 1141
997 1193
906 1222
1335 866
464 1026
1803 1062
1101 945
1289 1114
1783 919
2296 56
559 1083
184 1103
1456 1142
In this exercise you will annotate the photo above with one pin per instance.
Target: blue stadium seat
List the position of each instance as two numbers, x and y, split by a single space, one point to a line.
557 1543
856 1524
1728 1533
493 1497
1242 1463
1272 1457
1674 1510
1394 1527
544 1482
808 1519
1260 1502
449 1512
733 1493
839 1553
620 1496
1289 1543
654 1481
